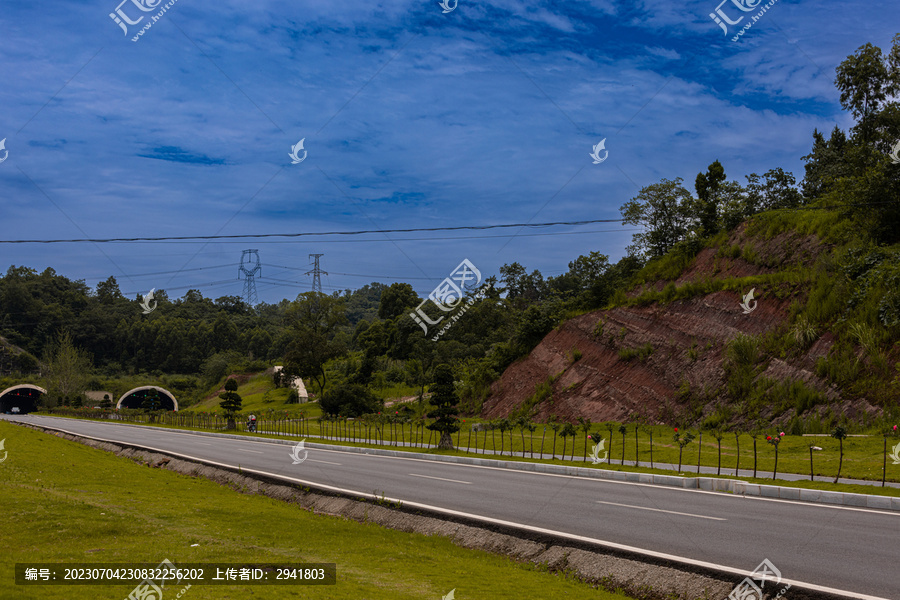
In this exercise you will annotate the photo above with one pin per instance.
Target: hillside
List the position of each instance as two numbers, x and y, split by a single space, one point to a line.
678 348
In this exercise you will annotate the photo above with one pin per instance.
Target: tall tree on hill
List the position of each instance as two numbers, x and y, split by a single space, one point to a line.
664 210
397 300
826 164
708 186
777 189
445 402
866 80
313 319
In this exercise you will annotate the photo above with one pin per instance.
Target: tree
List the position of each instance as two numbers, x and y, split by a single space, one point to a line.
777 191
718 434
231 402
839 433
775 440
623 429
664 211
151 400
568 430
108 291
445 401
682 440
350 400
825 164
554 425
865 80
313 319
397 300
522 288
585 425
151 404
504 426
106 402
708 187
67 367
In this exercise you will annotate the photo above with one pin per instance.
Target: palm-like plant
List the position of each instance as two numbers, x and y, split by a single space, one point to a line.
554 425
775 440
585 425
682 440
839 433
717 433
505 426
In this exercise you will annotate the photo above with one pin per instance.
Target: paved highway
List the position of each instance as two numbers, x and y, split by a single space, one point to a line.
849 549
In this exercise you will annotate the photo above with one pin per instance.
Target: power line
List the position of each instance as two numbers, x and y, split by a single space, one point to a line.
424 239
322 233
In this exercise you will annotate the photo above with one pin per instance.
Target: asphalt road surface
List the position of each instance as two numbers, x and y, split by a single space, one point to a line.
848 549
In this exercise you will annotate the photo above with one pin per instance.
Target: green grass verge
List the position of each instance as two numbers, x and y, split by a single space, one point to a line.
65 502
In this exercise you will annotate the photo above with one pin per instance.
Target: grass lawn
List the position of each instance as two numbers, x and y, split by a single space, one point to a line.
64 502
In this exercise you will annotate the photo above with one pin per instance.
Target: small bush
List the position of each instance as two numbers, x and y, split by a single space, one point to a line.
642 353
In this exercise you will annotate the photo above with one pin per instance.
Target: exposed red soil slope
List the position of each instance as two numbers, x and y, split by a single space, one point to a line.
602 386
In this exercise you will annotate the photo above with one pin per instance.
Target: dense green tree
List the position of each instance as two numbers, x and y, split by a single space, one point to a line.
775 190
445 402
665 211
709 198
397 300
350 400
231 401
314 320
866 79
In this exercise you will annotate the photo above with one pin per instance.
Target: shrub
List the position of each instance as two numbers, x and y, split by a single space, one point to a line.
350 400
642 353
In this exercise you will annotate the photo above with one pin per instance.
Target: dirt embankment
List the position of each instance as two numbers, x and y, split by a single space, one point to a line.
687 337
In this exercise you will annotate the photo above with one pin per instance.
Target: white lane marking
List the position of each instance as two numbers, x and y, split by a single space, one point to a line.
202 444
245 450
671 512
655 486
324 461
448 511
441 479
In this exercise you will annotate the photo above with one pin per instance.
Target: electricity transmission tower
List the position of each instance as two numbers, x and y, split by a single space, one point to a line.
317 273
252 258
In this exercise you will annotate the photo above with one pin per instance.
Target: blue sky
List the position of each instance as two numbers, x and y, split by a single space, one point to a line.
411 118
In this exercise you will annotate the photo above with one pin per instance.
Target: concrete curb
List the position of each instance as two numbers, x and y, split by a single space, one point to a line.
710 484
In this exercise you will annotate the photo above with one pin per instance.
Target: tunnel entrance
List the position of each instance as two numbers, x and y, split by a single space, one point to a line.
135 398
21 399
